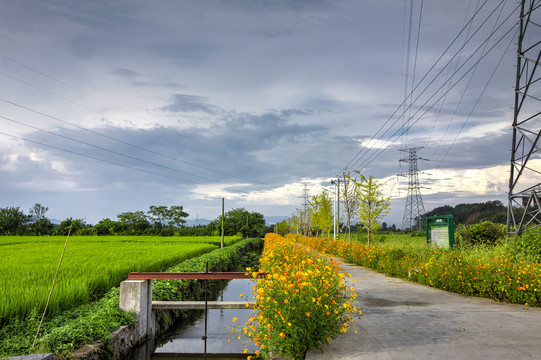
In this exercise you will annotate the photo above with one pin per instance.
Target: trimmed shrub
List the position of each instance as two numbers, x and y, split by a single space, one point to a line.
483 233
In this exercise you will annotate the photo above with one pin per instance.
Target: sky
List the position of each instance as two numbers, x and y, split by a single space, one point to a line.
114 106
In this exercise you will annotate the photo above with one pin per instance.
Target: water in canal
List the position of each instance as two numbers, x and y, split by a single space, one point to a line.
185 340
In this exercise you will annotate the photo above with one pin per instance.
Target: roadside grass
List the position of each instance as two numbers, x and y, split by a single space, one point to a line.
91 266
64 333
485 271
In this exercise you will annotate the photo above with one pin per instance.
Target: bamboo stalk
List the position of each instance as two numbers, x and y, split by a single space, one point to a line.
52 287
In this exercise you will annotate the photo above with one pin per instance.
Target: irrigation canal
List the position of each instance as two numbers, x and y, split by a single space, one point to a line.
184 341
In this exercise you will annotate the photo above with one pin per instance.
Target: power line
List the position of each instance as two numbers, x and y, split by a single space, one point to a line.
205 147
366 148
98 159
475 105
362 153
107 150
402 128
124 142
377 153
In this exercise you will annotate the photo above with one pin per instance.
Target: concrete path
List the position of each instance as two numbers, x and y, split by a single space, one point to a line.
402 320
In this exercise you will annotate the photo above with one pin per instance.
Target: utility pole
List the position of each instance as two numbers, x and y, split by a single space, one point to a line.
223 222
337 206
522 197
414 211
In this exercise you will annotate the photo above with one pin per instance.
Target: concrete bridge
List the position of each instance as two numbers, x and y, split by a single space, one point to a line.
136 296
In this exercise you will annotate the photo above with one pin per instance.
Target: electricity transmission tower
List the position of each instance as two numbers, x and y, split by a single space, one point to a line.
523 197
305 213
414 211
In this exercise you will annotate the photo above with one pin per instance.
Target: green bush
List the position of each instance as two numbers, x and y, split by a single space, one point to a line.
527 246
483 233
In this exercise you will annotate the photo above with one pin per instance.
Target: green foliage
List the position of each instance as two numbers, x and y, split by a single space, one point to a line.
527 246
483 233
172 216
96 321
12 221
136 222
493 211
90 267
249 224
76 226
373 206
226 259
321 212
41 227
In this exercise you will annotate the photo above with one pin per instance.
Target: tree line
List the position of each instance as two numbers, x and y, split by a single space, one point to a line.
493 211
361 199
158 220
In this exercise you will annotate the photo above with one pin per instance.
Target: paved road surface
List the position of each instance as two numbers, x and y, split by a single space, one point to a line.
402 320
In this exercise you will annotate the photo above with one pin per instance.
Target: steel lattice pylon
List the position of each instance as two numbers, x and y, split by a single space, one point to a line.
526 124
414 211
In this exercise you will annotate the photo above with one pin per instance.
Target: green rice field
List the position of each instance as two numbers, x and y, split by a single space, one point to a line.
91 266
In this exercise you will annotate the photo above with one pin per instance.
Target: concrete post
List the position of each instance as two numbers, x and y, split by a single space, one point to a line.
136 295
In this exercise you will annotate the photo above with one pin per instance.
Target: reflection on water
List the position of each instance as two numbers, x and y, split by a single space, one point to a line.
185 341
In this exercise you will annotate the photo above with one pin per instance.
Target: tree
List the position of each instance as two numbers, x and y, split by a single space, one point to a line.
12 220
38 211
177 215
136 222
293 223
42 227
172 216
373 206
109 227
350 201
281 227
76 226
321 212
239 221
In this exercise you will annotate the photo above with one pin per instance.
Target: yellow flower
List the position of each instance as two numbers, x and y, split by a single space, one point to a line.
234 319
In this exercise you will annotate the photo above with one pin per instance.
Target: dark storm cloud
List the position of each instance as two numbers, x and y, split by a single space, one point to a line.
276 91
188 103
473 153
125 73
184 52
292 5
136 79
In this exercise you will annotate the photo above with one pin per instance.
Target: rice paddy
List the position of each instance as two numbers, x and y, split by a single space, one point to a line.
91 266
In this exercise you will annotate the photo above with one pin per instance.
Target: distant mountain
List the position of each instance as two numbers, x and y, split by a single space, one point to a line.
195 222
55 221
271 220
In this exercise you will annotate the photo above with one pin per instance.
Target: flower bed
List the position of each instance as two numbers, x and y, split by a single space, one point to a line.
499 278
303 303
